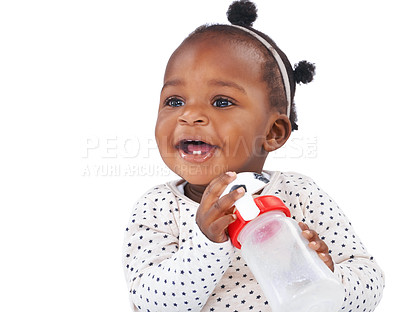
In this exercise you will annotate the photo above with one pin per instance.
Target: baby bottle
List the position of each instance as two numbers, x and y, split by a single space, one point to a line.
291 275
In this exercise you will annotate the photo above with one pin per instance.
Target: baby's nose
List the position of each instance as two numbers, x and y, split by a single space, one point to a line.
193 116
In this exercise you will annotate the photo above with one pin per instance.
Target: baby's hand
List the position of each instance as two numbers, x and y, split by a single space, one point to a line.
215 214
317 244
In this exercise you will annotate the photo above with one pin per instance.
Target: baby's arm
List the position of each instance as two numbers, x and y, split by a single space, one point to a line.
165 272
354 266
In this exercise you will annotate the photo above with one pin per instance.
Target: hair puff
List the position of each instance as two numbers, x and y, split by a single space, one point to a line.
242 13
304 72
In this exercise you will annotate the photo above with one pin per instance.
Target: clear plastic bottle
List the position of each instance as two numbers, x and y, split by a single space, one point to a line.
292 276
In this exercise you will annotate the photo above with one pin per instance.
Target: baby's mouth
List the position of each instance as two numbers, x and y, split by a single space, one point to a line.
195 150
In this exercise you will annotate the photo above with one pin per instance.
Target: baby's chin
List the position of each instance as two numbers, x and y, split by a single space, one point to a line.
198 180
200 176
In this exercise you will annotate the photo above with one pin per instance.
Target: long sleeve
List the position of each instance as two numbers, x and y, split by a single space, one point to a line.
169 264
354 266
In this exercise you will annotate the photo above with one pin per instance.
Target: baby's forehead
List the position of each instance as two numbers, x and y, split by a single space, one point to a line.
222 42
218 51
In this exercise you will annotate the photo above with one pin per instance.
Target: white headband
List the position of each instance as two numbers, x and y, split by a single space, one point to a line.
278 59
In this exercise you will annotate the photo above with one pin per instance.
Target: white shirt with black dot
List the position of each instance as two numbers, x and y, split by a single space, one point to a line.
170 265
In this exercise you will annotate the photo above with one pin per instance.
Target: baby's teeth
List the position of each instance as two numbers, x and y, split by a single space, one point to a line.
196 152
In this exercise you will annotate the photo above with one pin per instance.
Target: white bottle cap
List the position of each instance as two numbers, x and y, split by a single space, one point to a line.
247 207
253 182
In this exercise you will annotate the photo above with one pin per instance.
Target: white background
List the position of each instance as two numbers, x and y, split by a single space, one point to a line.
79 88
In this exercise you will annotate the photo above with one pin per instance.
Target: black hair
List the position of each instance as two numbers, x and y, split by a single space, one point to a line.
243 13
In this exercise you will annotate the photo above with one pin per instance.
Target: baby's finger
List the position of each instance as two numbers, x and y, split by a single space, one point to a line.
228 200
303 226
224 205
218 185
318 245
315 242
219 227
327 260
310 235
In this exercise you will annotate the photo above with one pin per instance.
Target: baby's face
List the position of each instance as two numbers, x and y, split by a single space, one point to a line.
214 113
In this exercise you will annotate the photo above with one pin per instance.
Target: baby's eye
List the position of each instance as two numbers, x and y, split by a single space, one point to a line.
174 102
222 103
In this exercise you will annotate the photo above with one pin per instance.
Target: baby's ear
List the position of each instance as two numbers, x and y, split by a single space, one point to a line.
278 133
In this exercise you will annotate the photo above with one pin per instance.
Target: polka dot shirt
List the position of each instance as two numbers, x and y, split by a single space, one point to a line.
171 266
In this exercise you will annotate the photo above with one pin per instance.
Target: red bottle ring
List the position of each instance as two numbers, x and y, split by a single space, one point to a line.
265 203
